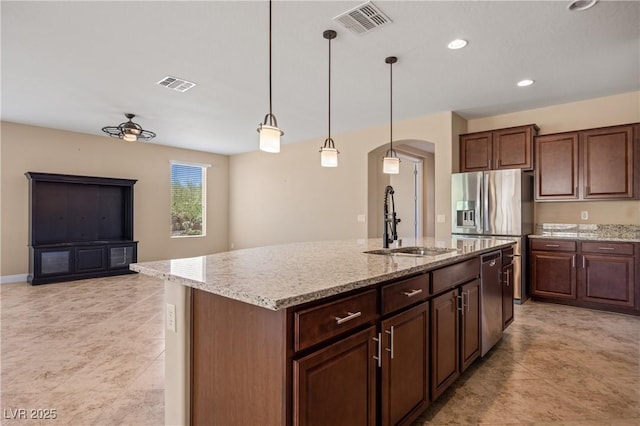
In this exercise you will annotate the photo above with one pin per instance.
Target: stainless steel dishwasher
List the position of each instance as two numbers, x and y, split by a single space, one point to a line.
491 291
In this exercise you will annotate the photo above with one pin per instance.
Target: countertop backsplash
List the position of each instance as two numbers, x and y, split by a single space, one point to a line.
588 231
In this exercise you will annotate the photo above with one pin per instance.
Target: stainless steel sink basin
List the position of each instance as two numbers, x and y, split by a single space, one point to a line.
412 251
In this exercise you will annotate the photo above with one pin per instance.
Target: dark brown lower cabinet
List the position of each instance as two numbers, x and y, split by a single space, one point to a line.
507 295
470 322
337 384
405 365
593 274
445 352
608 279
553 274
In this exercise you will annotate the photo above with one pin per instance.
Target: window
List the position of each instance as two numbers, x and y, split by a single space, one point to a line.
188 199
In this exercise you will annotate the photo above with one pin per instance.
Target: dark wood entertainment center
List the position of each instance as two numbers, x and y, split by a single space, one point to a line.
79 227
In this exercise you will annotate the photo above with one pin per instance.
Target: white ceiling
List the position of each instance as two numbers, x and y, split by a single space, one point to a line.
80 66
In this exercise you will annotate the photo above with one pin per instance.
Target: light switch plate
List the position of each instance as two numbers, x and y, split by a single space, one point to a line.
440 218
362 218
171 317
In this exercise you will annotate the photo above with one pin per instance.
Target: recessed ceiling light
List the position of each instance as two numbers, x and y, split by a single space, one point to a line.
525 83
578 5
457 44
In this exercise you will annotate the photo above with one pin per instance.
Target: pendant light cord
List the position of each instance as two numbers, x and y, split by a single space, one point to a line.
391 108
270 99
329 89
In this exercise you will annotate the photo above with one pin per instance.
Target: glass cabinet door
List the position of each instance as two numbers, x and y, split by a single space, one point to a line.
121 257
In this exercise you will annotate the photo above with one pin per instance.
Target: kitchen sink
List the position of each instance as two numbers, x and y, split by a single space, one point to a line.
412 251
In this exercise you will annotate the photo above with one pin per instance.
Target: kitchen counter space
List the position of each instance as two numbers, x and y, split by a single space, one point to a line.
587 232
277 277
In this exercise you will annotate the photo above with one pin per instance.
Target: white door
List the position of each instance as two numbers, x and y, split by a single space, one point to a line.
407 186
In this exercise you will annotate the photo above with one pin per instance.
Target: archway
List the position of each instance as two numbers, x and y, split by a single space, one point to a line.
414 187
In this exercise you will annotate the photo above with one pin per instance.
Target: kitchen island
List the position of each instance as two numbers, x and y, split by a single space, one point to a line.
270 335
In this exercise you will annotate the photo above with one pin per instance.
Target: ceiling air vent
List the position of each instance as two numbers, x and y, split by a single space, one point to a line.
363 18
176 83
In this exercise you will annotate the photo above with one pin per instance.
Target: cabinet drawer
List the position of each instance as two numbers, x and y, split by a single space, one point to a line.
553 245
450 276
404 293
607 248
316 324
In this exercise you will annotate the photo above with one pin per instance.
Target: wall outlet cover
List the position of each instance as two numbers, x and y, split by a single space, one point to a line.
584 215
171 317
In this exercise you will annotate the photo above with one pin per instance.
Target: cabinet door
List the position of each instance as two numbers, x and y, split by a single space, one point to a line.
337 385
507 295
91 258
608 163
470 340
608 279
405 365
445 353
553 274
121 256
556 167
476 152
53 261
513 148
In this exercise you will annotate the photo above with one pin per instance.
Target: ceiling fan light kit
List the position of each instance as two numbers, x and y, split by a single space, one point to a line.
129 131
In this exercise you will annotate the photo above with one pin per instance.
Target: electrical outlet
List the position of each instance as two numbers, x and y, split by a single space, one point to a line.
440 218
584 215
171 317
362 218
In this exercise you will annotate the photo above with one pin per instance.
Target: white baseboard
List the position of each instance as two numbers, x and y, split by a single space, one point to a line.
20 278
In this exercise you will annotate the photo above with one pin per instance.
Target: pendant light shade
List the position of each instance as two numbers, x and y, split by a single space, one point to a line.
129 131
391 162
328 152
268 129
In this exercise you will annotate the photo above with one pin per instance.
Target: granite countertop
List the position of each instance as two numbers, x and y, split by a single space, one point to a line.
277 277
628 233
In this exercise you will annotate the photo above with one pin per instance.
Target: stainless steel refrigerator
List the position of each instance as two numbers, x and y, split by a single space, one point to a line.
496 203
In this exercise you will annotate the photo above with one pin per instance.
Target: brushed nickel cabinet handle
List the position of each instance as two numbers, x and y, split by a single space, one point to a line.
390 348
553 245
573 261
349 317
412 293
606 248
584 263
378 340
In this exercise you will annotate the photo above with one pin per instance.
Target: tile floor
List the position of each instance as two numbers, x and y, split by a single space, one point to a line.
93 350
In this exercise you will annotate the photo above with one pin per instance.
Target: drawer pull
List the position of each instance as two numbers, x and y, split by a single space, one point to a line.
349 317
553 245
378 341
412 292
606 248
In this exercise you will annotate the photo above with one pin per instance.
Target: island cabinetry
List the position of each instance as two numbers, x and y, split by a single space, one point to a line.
510 148
593 274
337 384
455 323
593 164
404 365
507 287
396 347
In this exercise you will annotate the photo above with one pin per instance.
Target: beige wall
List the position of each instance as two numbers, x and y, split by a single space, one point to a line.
600 112
28 148
289 197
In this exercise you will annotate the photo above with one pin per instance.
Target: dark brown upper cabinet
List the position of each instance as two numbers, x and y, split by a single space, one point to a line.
510 148
593 164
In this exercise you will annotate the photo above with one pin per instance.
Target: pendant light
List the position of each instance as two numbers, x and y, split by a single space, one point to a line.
391 162
269 131
129 131
328 152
